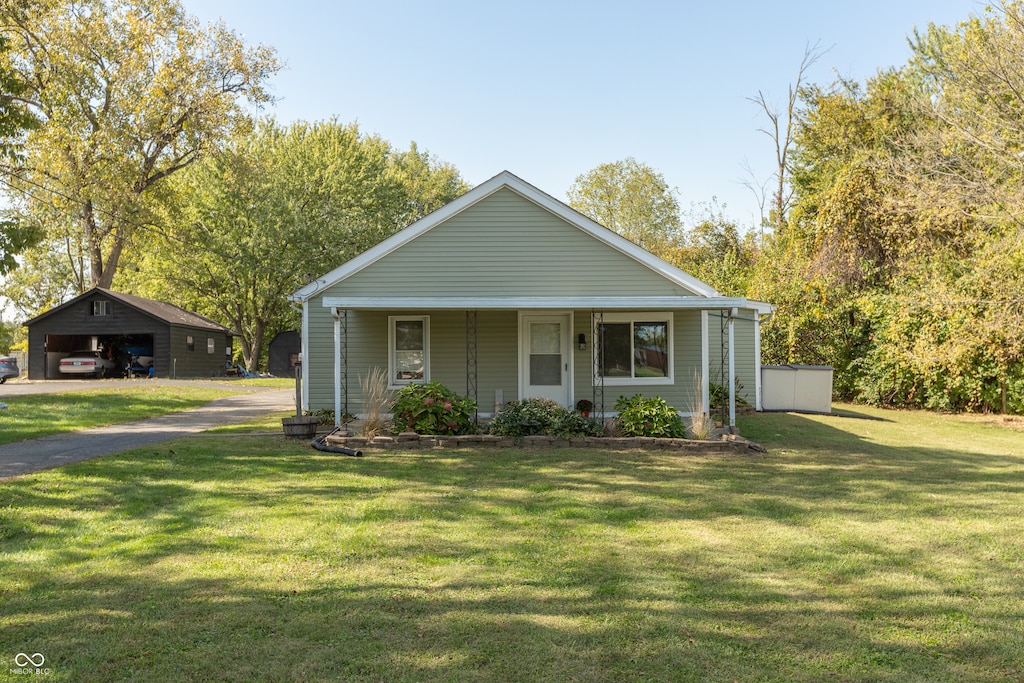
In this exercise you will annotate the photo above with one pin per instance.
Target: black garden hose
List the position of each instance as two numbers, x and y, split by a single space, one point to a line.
320 443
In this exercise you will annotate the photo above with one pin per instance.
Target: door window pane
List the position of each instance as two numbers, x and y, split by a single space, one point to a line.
545 354
545 369
545 338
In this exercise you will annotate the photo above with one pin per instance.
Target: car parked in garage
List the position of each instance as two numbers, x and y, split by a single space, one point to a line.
86 362
9 369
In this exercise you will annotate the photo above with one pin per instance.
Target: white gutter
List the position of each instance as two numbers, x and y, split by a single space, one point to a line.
540 303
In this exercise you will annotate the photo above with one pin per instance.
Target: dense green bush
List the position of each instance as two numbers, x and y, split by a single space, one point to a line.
432 408
642 416
526 417
569 424
533 416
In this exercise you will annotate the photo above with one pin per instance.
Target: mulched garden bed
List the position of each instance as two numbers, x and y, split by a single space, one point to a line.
728 444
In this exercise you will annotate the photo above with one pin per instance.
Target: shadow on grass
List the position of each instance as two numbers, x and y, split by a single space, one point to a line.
260 559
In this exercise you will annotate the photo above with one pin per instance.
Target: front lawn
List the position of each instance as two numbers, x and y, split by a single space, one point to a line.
888 549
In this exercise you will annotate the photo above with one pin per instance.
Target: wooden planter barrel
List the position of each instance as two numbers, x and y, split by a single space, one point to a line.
300 427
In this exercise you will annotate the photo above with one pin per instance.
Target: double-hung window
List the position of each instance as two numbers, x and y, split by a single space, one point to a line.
408 350
634 348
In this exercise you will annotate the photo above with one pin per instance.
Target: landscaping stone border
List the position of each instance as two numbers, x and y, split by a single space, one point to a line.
410 441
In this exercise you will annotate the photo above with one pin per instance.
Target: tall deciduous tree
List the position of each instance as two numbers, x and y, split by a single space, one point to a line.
15 120
632 199
278 206
127 93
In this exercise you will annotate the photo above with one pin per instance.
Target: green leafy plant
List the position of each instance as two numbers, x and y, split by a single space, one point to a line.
642 416
432 408
526 417
719 396
533 416
569 424
325 416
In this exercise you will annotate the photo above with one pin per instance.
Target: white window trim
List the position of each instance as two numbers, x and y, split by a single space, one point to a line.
392 361
101 307
639 316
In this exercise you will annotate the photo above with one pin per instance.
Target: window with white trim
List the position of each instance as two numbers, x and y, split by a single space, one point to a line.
408 350
635 348
101 307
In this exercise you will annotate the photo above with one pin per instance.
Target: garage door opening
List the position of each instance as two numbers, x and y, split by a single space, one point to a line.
124 355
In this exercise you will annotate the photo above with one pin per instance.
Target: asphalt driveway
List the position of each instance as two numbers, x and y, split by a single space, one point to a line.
34 455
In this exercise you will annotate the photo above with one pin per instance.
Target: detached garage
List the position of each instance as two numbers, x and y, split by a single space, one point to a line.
131 334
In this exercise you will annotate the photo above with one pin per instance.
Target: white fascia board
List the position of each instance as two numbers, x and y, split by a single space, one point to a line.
535 303
482 191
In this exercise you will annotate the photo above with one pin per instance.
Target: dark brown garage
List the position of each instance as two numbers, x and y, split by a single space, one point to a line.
132 333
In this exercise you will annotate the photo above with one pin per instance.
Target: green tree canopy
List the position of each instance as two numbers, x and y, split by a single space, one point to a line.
632 199
127 93
15 121
276 207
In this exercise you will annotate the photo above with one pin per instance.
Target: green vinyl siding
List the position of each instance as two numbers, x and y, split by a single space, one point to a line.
506 245
367 341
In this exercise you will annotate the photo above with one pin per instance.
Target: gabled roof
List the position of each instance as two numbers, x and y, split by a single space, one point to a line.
509 181
165 312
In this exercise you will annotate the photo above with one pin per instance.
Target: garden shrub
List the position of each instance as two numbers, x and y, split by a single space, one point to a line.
641 416
569 424
526 417
536 416
432 408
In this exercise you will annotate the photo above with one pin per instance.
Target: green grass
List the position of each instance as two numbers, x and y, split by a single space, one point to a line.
30 417
885 549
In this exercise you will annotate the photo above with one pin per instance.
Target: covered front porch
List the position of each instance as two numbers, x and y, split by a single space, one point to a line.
496 350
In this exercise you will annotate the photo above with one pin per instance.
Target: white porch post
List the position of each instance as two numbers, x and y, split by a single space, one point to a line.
732 369
337 366
757 363
305 355
705 365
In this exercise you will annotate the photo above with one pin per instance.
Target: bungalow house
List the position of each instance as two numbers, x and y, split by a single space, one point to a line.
507 293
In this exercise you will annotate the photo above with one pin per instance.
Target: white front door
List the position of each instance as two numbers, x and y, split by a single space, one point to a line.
544 356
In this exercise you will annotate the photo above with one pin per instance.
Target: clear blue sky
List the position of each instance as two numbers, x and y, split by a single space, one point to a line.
550 89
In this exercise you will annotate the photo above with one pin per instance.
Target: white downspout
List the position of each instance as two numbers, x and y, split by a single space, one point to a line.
732 371
337 366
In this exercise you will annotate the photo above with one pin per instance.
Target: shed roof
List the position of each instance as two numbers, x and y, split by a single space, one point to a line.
160 310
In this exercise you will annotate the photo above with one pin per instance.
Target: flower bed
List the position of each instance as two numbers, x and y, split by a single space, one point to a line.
411 441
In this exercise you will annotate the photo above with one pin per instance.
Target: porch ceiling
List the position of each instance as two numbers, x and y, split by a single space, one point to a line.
543 303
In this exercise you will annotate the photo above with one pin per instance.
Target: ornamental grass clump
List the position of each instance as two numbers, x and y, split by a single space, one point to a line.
642 416
432 408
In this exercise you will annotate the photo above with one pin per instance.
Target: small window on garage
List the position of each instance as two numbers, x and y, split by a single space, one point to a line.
101 307
190 343
211 345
